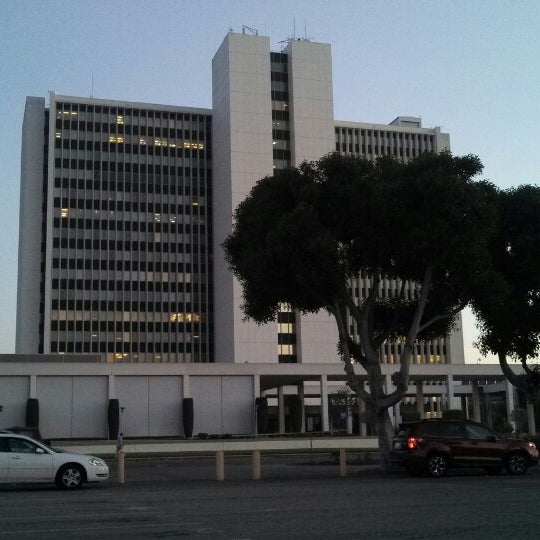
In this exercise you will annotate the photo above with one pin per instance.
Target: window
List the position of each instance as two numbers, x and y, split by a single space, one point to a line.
477 431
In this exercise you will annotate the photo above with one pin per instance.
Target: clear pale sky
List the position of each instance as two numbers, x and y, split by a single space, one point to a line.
472 67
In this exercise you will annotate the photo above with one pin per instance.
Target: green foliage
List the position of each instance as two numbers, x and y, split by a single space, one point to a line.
301 234
508 304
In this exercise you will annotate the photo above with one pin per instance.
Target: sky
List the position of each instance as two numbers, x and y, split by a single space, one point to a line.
471 67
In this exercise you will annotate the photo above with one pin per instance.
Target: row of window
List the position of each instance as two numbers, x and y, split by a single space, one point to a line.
123 182
279 153
114 166
156 208
134 266
133 246
127 326
280 115
72 109
103 347
109 306
342 133
151 131
126 285
128 226
123 147
380 150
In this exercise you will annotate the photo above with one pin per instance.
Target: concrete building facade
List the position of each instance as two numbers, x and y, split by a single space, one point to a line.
124 208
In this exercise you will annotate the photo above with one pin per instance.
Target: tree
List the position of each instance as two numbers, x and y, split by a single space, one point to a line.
303 237
507 303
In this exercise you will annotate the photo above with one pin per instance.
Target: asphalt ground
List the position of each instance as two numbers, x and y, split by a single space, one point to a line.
298 497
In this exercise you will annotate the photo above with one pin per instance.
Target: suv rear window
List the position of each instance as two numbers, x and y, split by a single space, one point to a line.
443 429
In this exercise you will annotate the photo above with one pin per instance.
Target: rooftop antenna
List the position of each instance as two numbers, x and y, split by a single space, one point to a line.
92 94
254 31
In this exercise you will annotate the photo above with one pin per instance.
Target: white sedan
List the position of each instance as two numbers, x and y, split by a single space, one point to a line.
24 460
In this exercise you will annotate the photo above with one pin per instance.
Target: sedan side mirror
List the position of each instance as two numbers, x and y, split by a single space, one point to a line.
40 451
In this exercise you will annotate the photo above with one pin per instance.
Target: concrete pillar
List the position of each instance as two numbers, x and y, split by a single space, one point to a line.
531 418
397 414
361 412
220 465
185 386
476 402
432 406
256 394
324 403
33 386
388 388
420 398
509 387
121 467
300 390
256 465
450 400
281 410
342 462
112 390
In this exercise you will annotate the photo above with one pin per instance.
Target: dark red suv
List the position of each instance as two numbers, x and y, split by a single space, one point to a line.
433 446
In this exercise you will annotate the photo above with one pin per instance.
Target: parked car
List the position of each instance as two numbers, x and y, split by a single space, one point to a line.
32 432
23 459
434 446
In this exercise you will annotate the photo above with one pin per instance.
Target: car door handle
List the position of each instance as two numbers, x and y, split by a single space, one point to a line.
15 457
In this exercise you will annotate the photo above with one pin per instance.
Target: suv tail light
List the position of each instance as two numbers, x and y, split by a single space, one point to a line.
412 442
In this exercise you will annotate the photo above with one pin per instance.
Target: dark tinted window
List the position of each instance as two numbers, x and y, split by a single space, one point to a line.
477 431
443 429
22 445
4 447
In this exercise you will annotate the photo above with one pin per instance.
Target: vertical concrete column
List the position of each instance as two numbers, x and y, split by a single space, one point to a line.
300 391
476 402
431 405
449 391
281 409
256 394
361 413
185 386
324 403
121 467
256 465
531 418
33 386
388 387
509 388
220 465
112 389
420 398
342 462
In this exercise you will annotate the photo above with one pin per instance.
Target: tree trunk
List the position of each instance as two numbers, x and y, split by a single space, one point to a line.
385 433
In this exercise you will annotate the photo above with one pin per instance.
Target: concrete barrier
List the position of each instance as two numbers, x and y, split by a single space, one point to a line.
219 448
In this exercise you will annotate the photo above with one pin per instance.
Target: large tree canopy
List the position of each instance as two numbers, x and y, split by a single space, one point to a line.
508 305
303 237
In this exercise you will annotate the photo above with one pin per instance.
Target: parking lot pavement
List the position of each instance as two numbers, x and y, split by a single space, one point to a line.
297 498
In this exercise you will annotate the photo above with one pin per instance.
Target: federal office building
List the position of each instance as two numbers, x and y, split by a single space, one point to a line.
124 207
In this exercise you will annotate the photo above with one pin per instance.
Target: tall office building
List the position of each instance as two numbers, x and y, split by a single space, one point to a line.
115 231
124 207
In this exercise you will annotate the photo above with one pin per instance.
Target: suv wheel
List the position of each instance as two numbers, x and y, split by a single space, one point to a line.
516 463
437 465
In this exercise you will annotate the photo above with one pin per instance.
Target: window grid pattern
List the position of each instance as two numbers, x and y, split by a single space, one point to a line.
281 152
131 234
